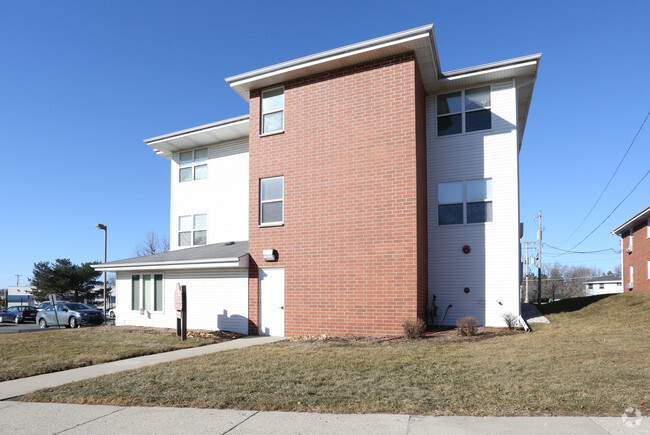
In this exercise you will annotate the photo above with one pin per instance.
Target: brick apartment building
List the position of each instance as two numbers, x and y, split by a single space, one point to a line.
365 187
635 255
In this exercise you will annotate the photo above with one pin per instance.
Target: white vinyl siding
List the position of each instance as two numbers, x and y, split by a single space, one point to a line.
491 269
216 300
223 196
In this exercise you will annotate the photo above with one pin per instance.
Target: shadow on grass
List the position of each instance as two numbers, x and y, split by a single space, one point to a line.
569 305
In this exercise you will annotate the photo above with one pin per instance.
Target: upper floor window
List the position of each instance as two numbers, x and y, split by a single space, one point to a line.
192 230
464 111
631 236
467 201
193 165
273 110
272 201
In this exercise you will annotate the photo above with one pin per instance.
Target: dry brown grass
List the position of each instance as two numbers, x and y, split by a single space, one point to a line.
41 352
591 361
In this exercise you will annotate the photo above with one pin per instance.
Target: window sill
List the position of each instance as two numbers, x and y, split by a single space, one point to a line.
276 224
491 130
271 133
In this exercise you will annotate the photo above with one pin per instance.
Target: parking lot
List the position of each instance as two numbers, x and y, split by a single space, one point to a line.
8 328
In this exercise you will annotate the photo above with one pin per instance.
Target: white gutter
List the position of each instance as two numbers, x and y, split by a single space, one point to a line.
175 265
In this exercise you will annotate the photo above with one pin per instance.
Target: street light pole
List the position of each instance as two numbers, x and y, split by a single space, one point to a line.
105 228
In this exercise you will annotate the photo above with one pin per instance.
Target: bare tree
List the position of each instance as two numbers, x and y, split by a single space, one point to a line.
152 244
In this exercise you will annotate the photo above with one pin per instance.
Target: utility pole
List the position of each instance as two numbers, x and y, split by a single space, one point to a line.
18 280
527 262
539 260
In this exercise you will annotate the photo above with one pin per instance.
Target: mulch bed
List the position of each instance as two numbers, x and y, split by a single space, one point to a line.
438 335
216 336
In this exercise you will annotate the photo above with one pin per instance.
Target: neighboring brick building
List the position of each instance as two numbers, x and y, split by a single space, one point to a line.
635 255
365 187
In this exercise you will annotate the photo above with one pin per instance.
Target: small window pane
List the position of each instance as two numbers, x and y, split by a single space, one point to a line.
184 223
449 103
478 98
271 188
272 212
450 214
200 172
146 292
450 192
186 158
273 122
478 120
479 190
479 212
200 221
135 292
185 238
200 155
200 237
273 100
157 293
185 175
451 124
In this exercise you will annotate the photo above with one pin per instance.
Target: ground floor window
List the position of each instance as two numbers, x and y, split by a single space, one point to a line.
147 292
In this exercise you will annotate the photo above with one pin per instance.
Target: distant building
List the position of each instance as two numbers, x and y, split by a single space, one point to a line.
604 285
20 295
635 255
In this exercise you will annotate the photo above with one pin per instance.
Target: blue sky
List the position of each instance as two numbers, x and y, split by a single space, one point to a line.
83 82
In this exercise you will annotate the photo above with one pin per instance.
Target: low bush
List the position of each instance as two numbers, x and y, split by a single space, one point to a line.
413 329
467 326
511 320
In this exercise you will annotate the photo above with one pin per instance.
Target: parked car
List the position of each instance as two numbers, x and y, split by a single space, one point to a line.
70 315
18 314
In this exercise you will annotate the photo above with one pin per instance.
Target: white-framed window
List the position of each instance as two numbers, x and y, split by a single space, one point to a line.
193 165
147 292
631 237
468 201
601 286
590 286
272 201
648 229
648 269
464 111
631 273
272 116
192 230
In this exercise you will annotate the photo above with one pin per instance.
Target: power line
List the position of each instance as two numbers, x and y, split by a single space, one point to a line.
609 182
583 252
615 208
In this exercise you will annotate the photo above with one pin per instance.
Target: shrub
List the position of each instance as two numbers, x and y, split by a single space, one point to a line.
511 320
413 329
467 325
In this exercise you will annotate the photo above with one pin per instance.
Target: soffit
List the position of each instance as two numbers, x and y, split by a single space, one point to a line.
208 134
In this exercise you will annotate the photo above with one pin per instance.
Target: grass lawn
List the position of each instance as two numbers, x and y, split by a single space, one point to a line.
589 361
41 352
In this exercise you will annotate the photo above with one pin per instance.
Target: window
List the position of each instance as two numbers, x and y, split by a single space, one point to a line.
631 237
631 273
590 286
147 292
193 165
648 229
192 230
272 110
464 111
465 202
601 286
271 201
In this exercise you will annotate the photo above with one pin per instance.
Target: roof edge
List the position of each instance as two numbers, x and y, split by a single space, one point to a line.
645 213
487 67
197 129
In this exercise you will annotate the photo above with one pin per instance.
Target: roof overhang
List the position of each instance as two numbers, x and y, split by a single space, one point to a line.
220 263
203 135
420 40
641 216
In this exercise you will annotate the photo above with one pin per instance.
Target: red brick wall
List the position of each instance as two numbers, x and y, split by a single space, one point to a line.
639 258
353 243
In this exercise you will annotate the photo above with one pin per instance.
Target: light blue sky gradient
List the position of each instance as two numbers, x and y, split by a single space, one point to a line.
83 82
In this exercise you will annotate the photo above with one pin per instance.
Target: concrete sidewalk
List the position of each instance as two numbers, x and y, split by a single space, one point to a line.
19 387
54 418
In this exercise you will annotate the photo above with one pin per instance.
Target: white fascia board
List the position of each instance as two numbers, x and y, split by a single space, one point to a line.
241 80
643 214
480 72
241 262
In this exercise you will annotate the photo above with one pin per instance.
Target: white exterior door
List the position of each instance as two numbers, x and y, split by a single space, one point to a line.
272 301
